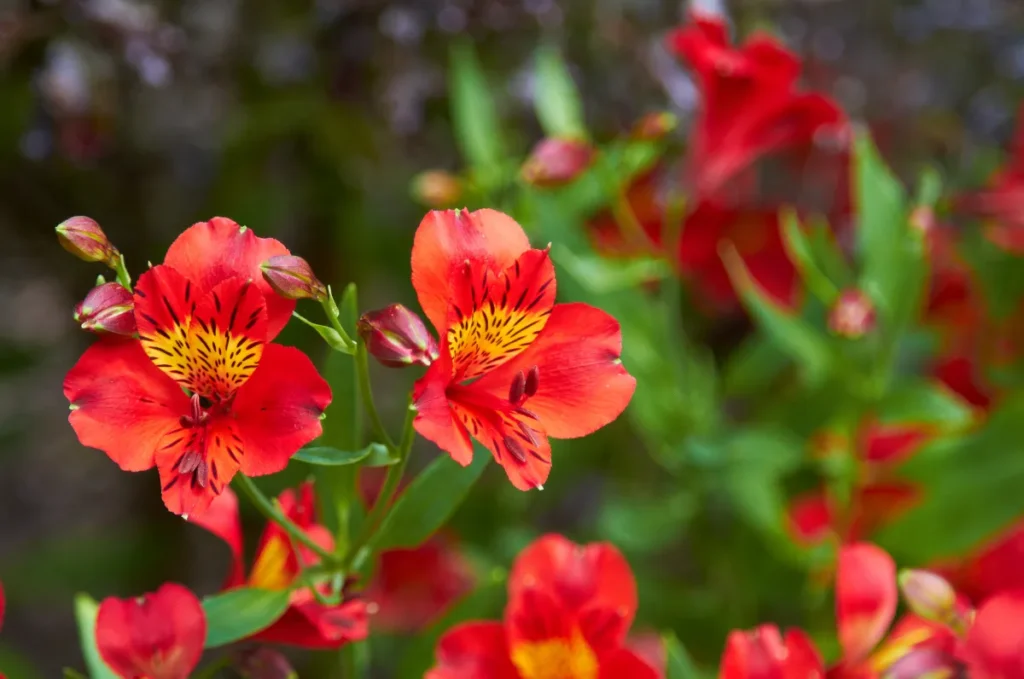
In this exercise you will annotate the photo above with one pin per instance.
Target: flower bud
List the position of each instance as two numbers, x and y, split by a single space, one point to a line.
922 220
928 595
397 337
654 126
853 315
264 662
922 663
293 278
436 189
557 162
108 308
83 237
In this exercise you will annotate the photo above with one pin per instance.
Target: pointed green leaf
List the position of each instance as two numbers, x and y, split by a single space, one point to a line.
474 117
802 255
85 614
428 502
925 402
556 98
679 664
239 613
373 455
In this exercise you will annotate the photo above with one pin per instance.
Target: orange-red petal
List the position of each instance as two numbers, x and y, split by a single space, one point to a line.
435 419
446 240
189 494
121 403
308 624
209 252
763 653
278 410
866 598
995 643
625 663
158 636
474 650
582 383
223 520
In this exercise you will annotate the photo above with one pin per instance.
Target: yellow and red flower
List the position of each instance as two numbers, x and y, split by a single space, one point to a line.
156 636
202 393
514 367
306 623
569 610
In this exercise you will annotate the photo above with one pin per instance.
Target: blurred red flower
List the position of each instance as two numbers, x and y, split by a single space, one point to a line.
306 623
515 368
763 653
156 636
569 610
994 648
202 393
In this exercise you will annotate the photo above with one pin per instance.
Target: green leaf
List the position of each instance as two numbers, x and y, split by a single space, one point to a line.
929 187
373 455
334 340
556 98
808 347
474 117
600 275
85 614
972 492
803 256
241 612
679 664
925 402
73 674
429 501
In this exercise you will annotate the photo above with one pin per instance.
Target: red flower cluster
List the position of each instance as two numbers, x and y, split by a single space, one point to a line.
568 613
202 393
514 367
307 623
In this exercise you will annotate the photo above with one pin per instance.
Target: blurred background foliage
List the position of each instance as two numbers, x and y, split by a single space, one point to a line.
308 120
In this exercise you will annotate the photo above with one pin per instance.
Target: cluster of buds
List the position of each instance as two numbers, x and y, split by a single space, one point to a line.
931 597
396 337
108 308
293 278
83 237
853 315
556 162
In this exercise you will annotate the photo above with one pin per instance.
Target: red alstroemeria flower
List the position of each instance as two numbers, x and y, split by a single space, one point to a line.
763 653
1001 205
750 107
156 636
569 610
994 648
412 587
998 566
306 623
515 368
202 393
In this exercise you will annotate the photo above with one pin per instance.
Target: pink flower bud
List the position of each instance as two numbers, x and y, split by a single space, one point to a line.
264 662
922 220
922 663
557 162
928 595
436 189
108 308
83 237
397 337
853 315
654 126
293 278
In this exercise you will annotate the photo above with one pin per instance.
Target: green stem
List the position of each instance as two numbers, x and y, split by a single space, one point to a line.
366 394
214 668
387 491
333 313
273 513
123 277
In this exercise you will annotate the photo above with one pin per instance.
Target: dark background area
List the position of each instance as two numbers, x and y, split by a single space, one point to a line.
306 121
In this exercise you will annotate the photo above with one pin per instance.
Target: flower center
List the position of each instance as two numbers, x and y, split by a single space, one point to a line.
193 463
556 659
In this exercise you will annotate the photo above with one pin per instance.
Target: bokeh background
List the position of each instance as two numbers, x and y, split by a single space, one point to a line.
306 121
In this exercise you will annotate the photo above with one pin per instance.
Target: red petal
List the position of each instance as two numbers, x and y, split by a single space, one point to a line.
810 518
308 624
160 636
995 642
446 240
209 252
474 650
593 582
802 660
223 520
191 494
624 663
435 420
281 565
866 598
278 410
122 404
996 567
892 443
583 385
3 605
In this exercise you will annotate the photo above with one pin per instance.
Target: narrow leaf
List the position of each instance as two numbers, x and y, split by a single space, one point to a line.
679 663
800 252
474 116
556 98
239 613
373 455
85 614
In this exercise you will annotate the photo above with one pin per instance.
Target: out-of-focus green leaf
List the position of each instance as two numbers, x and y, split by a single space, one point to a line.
601 276
679 664
925 402
1000 273
69 674
802 255
85 614
971 490
754 366
929 188
429 500
474 117
373 455
808 347
556 98
662 518
238 613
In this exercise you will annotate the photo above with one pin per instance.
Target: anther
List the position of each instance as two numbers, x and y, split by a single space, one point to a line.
529 433
189 462
532 381
515 448
202 473
518 388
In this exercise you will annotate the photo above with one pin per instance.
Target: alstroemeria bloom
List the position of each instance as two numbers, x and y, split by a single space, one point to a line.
306 623
515 368
202 393
156 636
763 653
994 648
569 610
